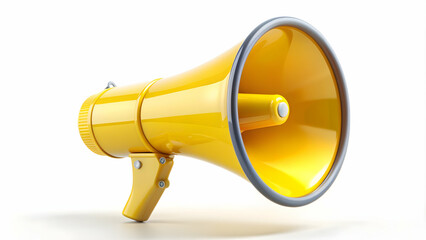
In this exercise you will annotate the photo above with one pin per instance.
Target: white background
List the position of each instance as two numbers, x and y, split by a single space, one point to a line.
54 54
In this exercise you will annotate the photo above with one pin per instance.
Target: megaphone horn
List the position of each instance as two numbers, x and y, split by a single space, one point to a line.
274 110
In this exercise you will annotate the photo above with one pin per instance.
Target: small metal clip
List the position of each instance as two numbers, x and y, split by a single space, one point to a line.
111 84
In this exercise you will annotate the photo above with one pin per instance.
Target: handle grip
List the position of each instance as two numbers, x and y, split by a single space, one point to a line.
150 173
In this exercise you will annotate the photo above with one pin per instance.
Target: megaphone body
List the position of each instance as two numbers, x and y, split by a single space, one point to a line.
272 109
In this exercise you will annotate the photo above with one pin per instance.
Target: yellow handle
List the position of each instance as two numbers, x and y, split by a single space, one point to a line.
150 173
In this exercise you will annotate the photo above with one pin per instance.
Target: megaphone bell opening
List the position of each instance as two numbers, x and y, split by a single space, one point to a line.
292 163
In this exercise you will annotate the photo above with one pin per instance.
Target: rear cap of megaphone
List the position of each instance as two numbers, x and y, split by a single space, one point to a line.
315 136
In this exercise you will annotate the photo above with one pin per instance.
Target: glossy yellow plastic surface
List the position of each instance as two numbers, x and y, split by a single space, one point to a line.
147 190
187 114
116 120
293 158
85 124
259 110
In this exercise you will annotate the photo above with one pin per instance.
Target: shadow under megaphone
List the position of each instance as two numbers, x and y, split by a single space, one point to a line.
206 225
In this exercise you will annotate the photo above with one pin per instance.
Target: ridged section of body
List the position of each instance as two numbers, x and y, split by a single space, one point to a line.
85 124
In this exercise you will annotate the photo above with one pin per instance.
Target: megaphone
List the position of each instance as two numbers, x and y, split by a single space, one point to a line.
273 109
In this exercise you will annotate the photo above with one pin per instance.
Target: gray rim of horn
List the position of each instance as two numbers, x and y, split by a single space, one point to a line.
232 110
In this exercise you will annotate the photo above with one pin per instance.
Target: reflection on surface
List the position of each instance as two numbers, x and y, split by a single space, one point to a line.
211 224
208 224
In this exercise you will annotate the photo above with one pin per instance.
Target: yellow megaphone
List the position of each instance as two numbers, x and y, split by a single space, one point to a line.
273 109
